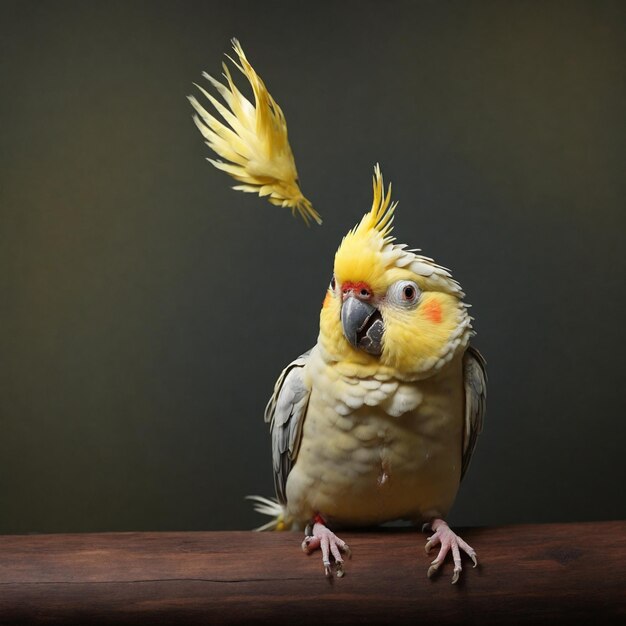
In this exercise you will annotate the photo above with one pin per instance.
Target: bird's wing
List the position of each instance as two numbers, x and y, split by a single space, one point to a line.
475 380
285 412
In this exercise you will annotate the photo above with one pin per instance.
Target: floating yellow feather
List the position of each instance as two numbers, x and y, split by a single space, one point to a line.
254 143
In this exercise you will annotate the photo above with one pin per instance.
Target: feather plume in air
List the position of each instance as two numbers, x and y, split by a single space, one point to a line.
253 142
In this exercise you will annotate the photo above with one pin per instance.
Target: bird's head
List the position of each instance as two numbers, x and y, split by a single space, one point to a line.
388 308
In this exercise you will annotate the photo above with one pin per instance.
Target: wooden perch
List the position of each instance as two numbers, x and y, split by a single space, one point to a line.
528 574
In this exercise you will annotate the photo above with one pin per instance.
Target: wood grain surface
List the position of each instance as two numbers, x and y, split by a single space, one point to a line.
528 574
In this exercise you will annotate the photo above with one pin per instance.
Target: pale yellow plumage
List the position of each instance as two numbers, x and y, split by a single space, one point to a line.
376 449
253 142
383 433
362 434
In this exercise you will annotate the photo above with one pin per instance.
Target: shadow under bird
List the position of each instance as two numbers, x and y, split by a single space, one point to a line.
378 421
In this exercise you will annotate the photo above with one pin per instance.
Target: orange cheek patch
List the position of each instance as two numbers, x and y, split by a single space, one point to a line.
432 311
326 300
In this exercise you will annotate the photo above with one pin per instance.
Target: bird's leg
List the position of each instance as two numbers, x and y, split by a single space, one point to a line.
449 541
318 536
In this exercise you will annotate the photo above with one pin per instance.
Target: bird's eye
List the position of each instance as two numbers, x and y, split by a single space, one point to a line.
333 283
404 293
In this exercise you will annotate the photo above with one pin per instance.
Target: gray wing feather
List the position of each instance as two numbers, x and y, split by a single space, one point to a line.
475 380
285 412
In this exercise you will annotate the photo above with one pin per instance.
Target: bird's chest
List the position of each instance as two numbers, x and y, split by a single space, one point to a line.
372 452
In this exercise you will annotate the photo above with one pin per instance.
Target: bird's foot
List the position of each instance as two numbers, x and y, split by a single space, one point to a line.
330 544
449 541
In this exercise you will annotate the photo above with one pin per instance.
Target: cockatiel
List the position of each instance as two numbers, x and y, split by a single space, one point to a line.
379 420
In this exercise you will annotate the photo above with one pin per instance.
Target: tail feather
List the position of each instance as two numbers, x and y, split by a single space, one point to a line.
266 506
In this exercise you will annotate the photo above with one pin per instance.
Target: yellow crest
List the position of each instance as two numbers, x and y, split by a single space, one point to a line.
360 255
380 217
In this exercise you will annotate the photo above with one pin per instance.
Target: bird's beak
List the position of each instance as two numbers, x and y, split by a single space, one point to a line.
362 325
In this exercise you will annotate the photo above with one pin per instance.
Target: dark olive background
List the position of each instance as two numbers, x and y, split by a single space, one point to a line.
146 309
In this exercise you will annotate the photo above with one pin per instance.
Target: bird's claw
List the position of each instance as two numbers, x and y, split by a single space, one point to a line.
305 545
455 575
328 572
331 545
432 570
450 542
